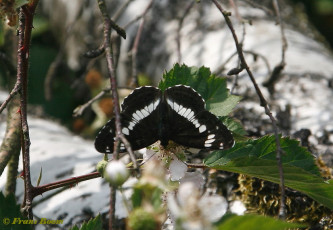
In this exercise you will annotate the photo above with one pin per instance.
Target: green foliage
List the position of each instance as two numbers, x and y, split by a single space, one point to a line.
10 214
212 89
93 224
253 222
257 158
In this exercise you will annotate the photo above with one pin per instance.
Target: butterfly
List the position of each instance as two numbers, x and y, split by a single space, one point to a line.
177 114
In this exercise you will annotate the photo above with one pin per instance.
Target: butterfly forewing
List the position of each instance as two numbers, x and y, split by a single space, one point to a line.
139 121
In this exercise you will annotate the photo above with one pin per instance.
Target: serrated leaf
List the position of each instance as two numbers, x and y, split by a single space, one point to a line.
257 158
9 210
254 222
212 89
93 224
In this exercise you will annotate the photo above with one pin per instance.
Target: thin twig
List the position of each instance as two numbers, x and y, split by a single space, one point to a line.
112 210
180 25
14 91
221 68
259 6
263 103
25 26
11 146
113 81
78 111
62 183
121 10
134 79
275 76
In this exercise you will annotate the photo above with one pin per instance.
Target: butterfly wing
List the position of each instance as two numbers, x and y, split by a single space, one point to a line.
191 125
139 121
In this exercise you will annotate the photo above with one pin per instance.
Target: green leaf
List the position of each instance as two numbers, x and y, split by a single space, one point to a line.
93 224
253 222
257 158
10 214
212 89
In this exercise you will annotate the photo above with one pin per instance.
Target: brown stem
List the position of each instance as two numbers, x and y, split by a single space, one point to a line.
108 24
67 182
25 26
12 145
275 76
112 210
134 79
263 103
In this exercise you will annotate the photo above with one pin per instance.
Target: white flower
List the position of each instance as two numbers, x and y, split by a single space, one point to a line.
176 167
191 211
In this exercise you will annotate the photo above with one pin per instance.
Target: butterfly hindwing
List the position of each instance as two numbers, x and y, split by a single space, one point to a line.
191 125
205 131
104 141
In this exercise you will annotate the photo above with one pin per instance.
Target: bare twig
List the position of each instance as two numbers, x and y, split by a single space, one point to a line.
14 91
259 6
221 68
180 25
134 79
11 145
112 211
121 10
274 77
25 26
107 44
113 81
79 110
263 103
62 183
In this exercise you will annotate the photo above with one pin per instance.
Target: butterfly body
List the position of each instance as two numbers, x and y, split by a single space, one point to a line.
177 114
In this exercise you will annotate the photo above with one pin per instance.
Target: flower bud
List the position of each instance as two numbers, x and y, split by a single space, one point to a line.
116 173
100 167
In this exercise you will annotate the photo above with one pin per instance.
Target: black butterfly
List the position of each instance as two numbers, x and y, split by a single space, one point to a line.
177 114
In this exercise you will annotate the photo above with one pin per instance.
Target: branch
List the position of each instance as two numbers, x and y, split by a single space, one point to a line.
25 26
11 142
279 67
78 111
15 90
263 103
62 183
113 81
134 81
180 25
